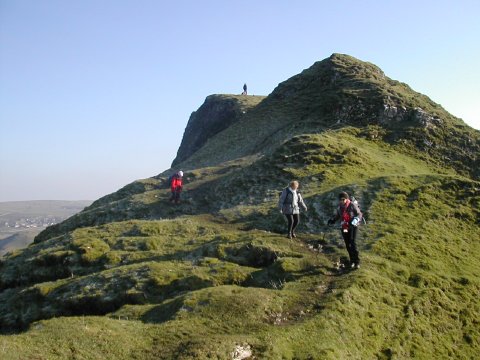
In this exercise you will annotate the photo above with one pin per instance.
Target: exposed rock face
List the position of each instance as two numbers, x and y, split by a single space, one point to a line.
392 113
425 119
217 113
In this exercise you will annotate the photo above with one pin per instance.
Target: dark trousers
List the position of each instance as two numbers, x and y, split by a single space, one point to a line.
350 238
175 196
293 221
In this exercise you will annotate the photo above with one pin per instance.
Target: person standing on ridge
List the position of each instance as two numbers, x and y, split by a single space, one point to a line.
176 185
244 89
350 215
289 205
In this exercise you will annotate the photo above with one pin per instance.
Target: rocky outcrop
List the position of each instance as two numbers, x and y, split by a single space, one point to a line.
420 117
391 113
217 113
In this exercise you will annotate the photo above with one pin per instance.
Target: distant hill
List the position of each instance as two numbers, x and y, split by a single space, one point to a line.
17 240
135 277
21 221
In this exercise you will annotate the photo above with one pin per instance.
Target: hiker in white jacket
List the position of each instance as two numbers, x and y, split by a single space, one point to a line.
289 205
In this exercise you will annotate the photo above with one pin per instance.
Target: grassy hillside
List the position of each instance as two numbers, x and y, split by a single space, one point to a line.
343 91
134 277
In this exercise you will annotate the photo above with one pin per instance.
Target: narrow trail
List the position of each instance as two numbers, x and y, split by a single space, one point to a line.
323 282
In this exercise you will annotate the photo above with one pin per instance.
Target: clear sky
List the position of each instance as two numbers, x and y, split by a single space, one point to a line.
95 94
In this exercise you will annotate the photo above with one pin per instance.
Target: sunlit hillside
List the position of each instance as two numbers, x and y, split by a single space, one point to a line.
135 277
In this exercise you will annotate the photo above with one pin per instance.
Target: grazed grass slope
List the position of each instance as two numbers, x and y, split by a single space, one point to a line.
196 286
133 277
339 91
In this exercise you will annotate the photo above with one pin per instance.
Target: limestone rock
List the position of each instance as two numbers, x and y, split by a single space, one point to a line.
217 113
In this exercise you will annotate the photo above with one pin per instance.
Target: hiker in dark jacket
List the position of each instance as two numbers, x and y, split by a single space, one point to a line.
289 205
350 215
176 185
244 89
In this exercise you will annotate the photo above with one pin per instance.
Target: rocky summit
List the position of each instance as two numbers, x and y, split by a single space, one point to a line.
134 276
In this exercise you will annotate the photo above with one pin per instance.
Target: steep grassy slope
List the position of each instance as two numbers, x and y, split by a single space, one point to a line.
217 113
198 286
133 277
339 91
336 92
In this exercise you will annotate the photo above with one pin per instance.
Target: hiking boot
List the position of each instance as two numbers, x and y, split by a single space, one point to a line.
289 236
357 266
352 265
293 235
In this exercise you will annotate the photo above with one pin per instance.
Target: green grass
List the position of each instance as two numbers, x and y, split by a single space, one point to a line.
196 286
133 277
339 91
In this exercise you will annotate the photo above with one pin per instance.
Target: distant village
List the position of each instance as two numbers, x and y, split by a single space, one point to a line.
34 222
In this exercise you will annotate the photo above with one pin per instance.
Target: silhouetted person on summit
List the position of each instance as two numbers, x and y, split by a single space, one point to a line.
244 89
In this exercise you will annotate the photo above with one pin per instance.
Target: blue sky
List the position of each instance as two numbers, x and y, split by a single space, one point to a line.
96 94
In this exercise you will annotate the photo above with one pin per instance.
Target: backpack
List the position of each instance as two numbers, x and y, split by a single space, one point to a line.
168 182
355 201
286 196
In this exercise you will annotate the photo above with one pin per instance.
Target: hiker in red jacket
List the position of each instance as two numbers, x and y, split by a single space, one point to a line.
176 185
350 215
